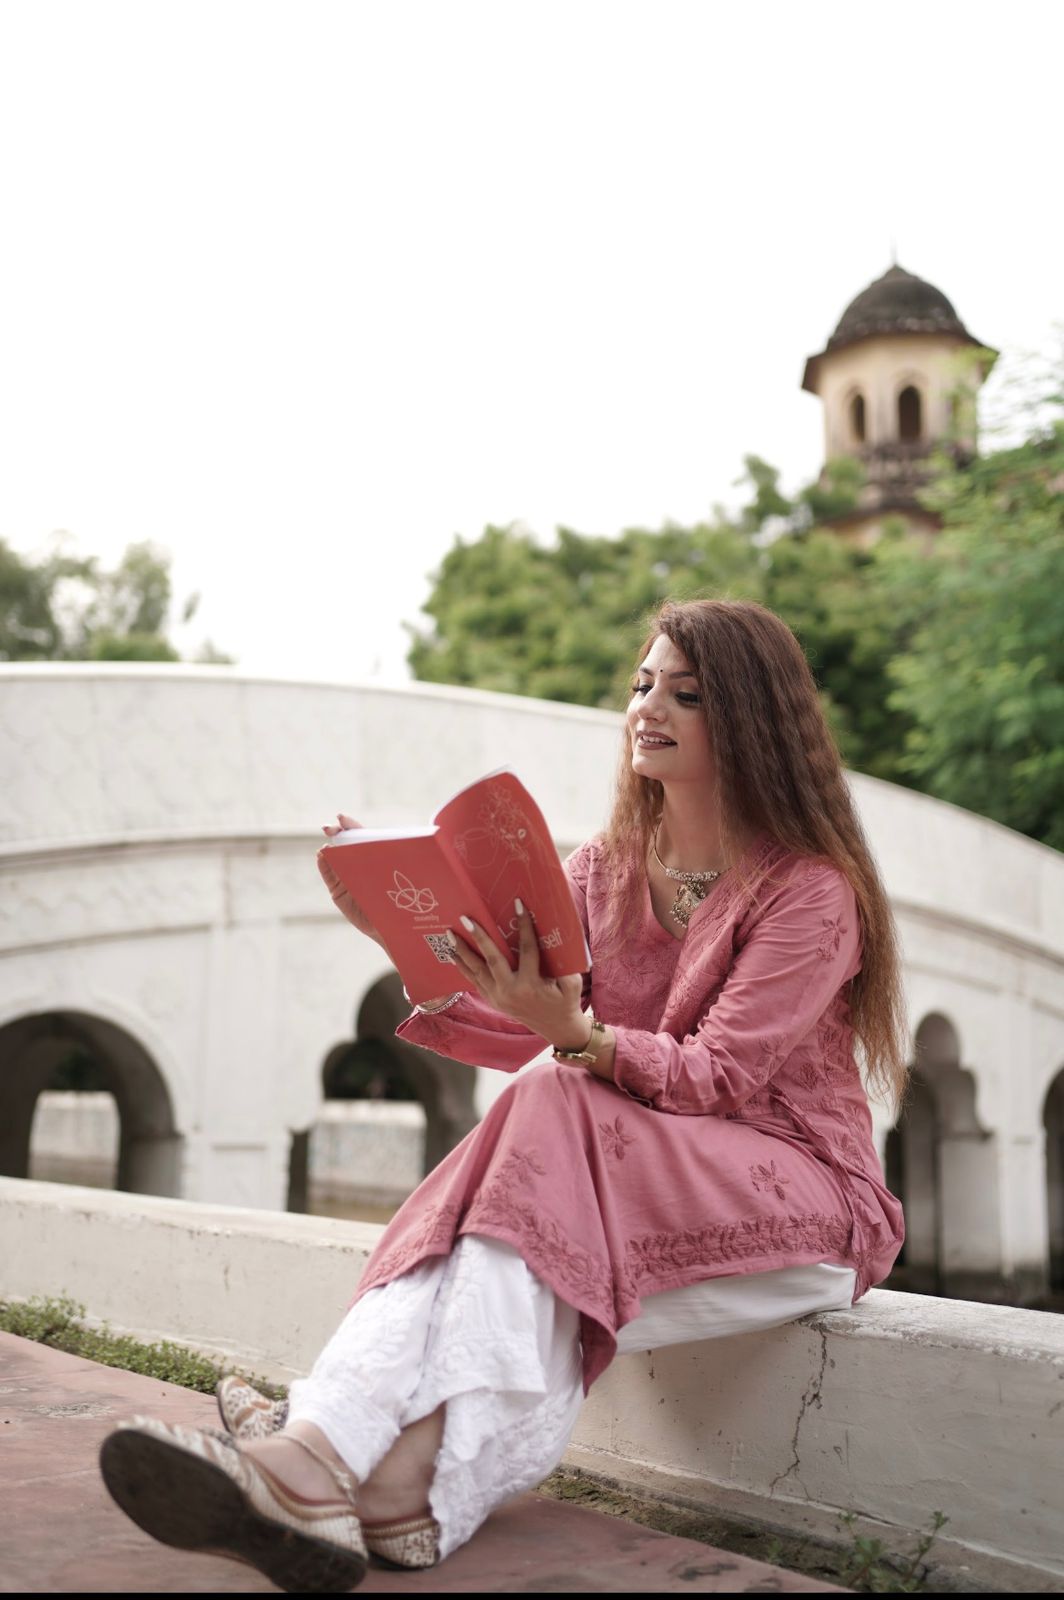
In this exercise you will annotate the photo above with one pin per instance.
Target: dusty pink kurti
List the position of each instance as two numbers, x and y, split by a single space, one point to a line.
736 1135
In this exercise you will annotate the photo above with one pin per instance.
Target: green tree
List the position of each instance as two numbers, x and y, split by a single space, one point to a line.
766 502
28 629
65 607
982 678
562 622
825 588
832 494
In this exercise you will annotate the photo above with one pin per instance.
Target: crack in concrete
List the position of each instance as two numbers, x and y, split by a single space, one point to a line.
811 1397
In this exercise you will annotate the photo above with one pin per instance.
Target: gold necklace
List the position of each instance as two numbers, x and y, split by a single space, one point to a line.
694 886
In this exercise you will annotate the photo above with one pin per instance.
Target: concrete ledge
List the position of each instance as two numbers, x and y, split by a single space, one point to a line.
902 1406
897 1408
264 1288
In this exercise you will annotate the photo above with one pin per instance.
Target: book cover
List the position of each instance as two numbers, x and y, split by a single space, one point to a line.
485 848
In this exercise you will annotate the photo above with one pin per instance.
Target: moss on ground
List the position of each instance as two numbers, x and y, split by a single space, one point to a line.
856 1563
61 1323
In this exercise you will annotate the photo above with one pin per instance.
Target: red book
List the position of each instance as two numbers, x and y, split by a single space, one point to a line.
483 850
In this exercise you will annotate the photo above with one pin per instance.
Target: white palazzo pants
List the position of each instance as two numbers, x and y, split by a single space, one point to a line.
478 1330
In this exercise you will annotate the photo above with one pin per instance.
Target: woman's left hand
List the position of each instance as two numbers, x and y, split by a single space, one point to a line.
549 1006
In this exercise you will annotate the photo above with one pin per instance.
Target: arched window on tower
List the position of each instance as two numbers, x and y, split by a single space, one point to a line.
910 419
857 418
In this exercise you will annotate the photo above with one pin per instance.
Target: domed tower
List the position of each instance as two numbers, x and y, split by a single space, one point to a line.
897 379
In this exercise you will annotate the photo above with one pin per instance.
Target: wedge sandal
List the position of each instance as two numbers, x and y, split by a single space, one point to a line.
193 1489
247 1414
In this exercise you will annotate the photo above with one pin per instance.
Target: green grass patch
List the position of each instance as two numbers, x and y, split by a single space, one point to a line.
60 1322
866 1566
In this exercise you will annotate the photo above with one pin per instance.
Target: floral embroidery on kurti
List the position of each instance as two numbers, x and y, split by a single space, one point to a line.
827 1102
655 1254
688 994
850 1147
613 1138
831 938
811 1074
759 1102
766 1177
834 1039
643 1080
773 1051
433 1236
523 1165
545 1244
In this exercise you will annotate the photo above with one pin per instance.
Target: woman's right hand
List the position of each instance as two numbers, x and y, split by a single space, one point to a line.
343 899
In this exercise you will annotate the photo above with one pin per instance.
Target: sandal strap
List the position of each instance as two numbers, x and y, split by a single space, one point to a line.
343 1480
420 1522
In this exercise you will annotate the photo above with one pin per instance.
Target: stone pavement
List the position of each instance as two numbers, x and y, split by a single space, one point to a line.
60 1532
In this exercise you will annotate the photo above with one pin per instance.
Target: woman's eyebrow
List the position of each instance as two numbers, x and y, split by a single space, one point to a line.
648 672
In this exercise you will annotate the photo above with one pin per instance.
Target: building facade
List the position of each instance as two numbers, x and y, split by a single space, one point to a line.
898 380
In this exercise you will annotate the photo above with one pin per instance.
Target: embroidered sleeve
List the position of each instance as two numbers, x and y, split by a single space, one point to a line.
471 1030
793 963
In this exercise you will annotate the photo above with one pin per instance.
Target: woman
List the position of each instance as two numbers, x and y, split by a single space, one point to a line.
696 1160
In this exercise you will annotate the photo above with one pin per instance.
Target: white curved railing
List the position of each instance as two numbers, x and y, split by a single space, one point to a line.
99 754
194 795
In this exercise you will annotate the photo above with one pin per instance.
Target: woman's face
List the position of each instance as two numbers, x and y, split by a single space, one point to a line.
666 723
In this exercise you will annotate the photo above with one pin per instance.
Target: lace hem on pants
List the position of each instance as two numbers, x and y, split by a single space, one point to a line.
475 1330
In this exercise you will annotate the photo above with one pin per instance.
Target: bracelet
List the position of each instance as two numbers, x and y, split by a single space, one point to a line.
430 1011
589 1054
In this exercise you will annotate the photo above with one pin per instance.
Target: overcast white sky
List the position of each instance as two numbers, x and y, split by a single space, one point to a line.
301 290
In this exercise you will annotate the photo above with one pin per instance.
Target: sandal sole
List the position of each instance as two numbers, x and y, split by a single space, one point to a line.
184 1501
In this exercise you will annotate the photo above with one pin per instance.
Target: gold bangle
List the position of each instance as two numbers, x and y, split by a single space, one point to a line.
589 1054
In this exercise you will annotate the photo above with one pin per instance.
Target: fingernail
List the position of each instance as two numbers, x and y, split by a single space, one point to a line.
519 907
467 924
451 939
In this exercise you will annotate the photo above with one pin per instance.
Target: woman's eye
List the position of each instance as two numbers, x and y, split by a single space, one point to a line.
685 698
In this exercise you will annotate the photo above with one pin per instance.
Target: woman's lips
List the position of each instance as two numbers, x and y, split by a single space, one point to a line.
653 741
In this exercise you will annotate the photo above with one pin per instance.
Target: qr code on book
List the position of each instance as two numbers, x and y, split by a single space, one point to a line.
440 946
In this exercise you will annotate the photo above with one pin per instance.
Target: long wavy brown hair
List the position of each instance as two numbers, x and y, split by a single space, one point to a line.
778 773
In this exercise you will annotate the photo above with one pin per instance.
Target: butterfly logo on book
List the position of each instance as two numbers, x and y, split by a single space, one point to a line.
405 897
